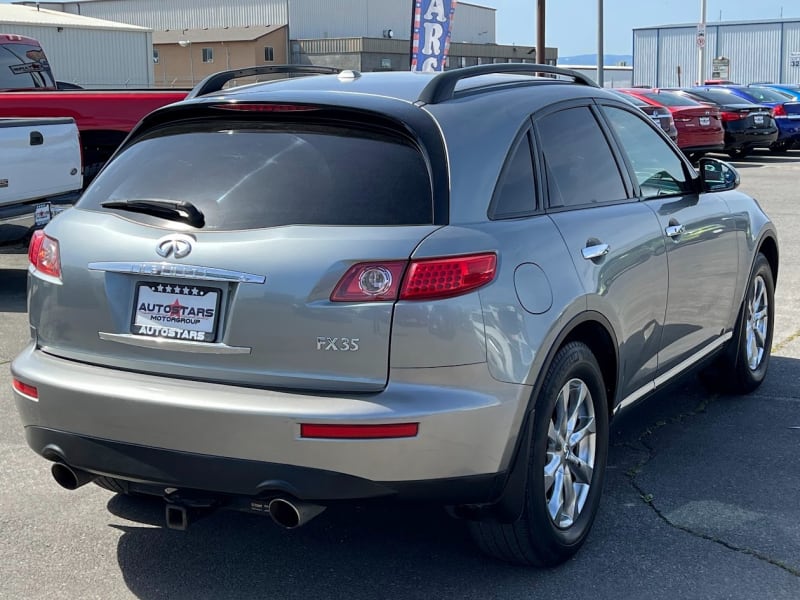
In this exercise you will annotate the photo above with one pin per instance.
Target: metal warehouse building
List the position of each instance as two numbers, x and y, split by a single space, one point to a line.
667 56
85 51
307 19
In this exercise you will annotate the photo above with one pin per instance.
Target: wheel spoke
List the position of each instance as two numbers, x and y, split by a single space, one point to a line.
561 411
581 469
760 315
553 437
550 469
569 508
578 393
580 435
556 502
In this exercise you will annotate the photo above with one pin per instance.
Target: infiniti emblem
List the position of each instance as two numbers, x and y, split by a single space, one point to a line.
176 245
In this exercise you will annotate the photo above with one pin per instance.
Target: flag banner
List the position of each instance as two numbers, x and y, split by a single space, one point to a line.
433 22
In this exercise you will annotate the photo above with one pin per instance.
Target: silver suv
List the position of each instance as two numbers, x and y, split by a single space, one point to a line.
346 287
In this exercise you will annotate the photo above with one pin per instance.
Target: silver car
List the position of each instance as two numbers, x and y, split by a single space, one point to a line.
352 286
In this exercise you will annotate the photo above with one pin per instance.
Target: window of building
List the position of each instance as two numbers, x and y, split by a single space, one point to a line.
386 63
208 55
156 56
269 54
462 61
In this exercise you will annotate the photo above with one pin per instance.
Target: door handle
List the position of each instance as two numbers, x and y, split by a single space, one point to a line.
674 231
596 251
36 138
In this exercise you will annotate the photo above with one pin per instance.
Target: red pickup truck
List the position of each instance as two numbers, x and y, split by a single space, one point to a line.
104 117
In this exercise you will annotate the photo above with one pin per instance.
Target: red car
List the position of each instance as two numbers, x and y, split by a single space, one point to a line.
699 126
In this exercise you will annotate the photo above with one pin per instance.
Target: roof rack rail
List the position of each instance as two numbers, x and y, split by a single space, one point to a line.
442 87
214 83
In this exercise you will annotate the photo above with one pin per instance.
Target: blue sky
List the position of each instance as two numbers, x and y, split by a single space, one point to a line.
571 24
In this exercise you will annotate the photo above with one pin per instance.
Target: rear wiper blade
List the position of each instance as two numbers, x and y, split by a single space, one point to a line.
174 210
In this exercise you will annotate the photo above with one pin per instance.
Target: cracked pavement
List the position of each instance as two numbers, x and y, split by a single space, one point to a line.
702 500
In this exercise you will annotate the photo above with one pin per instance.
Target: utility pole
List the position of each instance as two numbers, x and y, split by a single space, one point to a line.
601 53
541 58
701 70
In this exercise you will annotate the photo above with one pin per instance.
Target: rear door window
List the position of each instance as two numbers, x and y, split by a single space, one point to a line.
246 176
581 168
516 193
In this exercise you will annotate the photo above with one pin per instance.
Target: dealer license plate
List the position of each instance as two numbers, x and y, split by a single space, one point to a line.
758 119
705 121
176 311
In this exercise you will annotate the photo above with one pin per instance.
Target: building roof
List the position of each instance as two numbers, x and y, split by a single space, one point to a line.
225 34
711 24
14 14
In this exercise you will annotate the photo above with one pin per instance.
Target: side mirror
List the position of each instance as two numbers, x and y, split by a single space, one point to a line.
717 175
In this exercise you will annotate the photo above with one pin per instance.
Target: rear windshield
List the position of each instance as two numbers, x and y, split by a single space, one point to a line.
23 66
719 97
760 94
667 99
250 177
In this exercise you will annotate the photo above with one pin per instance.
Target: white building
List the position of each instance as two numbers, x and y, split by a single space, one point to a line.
307 19
667 55
85 51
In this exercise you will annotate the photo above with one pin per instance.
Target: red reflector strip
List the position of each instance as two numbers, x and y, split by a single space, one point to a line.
359 432
24 388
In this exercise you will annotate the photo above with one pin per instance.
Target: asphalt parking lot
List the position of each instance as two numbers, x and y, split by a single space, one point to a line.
702 499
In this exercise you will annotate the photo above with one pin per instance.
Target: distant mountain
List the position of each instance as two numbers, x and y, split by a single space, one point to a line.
591 59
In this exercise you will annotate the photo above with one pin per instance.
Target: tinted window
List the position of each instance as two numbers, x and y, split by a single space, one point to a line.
24 66
581 168
247 177
764 95
719 97
658 169
667 99
515 195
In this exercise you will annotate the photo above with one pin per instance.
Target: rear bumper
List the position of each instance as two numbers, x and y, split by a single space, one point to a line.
749 139
703 148
789 129
227 439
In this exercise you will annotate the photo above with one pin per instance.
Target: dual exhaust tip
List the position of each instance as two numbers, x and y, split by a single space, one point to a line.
286 512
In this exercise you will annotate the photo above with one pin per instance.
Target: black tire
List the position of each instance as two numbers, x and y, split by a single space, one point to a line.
738 374
535 539
779 147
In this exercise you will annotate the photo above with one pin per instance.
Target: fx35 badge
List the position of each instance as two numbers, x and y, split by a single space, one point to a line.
337 344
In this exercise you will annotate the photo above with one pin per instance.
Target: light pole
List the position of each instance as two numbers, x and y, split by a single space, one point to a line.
540 31
601 53
188 44
701 70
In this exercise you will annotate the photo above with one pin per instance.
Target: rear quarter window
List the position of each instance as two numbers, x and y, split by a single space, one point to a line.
246 176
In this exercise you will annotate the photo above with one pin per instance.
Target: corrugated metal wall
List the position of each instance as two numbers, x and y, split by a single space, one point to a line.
307 18
645 53
94 57
791 52
754 50
759 51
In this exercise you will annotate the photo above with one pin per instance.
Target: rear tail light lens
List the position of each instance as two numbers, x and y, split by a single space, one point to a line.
44 255
25 389
427 279
444 277
779 111
734 116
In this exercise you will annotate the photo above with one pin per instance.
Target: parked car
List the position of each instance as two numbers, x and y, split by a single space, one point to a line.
411 285
747 125
699 127
785 111
660 115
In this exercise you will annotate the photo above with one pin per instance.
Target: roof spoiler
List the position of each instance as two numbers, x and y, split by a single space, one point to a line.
215 83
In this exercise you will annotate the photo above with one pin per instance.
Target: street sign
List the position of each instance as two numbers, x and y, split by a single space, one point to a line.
721 68
701 35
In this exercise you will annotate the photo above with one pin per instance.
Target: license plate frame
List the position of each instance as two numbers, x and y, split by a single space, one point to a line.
758 119
176 311
705 121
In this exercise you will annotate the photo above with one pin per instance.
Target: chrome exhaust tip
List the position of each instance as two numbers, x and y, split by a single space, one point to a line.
291 514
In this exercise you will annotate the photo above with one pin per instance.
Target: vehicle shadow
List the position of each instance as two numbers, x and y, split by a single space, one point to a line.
417 551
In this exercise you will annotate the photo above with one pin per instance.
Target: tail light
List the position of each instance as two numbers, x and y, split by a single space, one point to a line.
43 254
734 116
779 111
427 279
